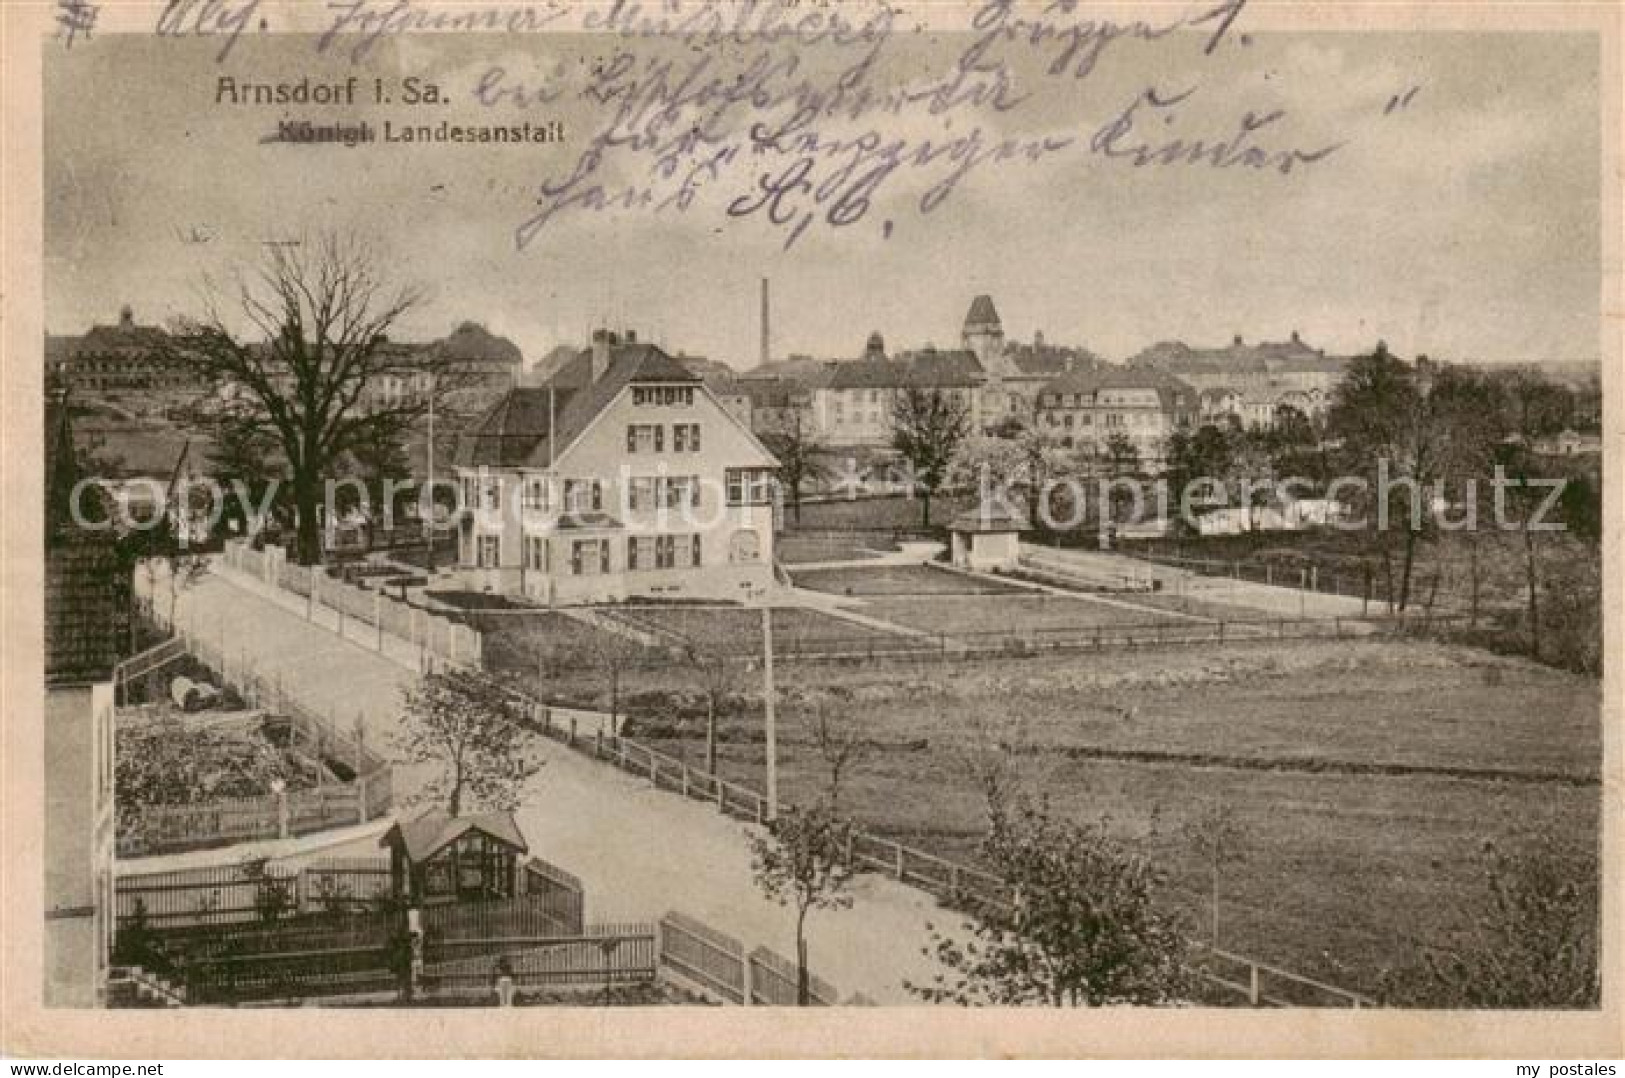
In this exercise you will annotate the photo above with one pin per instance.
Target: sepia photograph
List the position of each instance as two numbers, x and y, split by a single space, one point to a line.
714 503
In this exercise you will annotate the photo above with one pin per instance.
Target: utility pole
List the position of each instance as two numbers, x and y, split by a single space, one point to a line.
768 714
433 503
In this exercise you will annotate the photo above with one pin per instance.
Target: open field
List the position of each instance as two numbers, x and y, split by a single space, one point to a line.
899 580
1365 774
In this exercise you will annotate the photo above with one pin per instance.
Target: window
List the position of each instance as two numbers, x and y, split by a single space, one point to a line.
535 497
680 490
589 557
685 438
536 552
696 562
641 493
1067 421
665 551
493 495
750 486
645 438
581 495
489 553
639 552
663 396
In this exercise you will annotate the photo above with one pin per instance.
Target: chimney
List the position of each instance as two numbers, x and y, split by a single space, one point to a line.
631 336
1295 339
602 341
1238 340
766 325
126 317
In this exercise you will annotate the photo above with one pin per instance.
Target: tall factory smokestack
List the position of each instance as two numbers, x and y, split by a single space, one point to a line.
766 325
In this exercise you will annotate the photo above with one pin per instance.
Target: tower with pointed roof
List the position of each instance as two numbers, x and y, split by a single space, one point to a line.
984 333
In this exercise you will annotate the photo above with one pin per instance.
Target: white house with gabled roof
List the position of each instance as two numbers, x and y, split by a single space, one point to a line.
621 475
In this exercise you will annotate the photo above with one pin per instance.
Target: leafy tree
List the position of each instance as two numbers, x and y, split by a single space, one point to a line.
928 427
798 449
469 727
1122 455
1081 927
324 320
1381 412
801 863
1532 941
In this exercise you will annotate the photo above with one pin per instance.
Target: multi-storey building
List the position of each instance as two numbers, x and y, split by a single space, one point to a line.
621 475
123 358
1084 409
1251 382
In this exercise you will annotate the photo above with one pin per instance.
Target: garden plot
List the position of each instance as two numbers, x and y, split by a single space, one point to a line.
738 630
899 580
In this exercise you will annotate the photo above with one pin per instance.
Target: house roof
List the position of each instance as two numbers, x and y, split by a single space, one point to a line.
1170 390
1291 355
982 313
524 427
434 830
473 342
1042 360
925 369
989 518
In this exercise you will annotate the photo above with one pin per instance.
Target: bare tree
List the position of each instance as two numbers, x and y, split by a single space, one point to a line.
717 677
839 740
323 315
1217 836
988 761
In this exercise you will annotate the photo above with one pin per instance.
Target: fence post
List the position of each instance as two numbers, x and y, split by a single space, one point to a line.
360 797
282 813
1253 994
378 616
899 848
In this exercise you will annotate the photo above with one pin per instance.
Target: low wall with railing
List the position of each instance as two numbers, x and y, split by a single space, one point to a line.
369 616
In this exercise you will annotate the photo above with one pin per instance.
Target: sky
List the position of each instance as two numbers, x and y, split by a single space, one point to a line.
1462 222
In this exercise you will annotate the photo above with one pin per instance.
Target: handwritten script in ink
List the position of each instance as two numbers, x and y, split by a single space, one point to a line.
809 116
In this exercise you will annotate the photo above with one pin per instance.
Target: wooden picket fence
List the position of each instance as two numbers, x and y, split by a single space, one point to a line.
366 795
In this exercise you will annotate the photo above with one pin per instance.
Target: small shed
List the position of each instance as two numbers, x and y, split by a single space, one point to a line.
987 539
441 858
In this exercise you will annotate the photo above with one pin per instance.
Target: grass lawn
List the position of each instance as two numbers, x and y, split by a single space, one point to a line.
738 631
1027 612
799 548
1344 761
899 580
